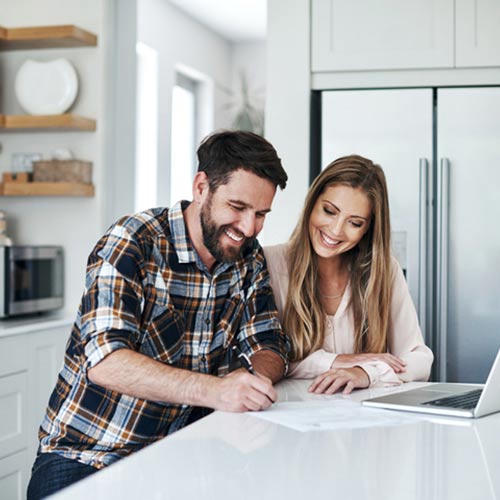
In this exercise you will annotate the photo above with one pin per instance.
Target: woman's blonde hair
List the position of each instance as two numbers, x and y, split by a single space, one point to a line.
369 262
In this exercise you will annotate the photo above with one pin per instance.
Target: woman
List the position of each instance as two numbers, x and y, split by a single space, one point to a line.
342 297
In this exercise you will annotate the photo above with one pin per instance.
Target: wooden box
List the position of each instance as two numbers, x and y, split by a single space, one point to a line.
62 171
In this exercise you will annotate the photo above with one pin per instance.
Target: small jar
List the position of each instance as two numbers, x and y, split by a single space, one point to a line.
5 241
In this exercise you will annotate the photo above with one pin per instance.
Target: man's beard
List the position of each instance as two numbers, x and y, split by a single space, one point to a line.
211 237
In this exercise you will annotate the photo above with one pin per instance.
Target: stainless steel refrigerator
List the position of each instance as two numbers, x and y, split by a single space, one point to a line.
440 150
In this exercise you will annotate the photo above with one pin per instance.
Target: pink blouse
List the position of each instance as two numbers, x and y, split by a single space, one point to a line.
404 336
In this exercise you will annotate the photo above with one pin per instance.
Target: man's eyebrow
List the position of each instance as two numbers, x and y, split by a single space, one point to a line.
248 205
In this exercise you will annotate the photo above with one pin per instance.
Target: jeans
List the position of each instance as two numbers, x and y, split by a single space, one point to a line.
52 472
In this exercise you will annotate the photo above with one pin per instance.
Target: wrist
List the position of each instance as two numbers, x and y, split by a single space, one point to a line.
200 390
365 375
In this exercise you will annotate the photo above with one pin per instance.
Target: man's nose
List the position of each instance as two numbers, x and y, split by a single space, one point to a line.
248 224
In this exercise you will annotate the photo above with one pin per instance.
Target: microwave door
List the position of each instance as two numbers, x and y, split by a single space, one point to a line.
4 286
36 279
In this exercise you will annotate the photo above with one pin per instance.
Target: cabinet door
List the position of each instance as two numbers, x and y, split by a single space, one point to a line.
469 313
477 28
382 34
13 476
47 354
13 414
394 129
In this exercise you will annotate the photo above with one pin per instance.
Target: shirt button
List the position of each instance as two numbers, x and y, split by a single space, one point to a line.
207 321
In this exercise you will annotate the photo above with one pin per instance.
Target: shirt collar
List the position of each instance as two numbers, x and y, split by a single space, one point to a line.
180 239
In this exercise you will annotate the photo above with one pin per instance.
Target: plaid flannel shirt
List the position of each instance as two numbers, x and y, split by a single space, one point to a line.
147 290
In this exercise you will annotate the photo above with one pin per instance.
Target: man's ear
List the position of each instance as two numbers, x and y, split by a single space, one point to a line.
201 187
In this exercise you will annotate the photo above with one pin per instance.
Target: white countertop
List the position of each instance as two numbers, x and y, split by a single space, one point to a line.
232 455
36 322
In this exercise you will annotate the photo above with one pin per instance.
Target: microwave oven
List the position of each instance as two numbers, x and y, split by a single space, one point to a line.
31 279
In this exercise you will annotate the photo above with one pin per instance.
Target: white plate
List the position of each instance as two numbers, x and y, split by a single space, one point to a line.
46 88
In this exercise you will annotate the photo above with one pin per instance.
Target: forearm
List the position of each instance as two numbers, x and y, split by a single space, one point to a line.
128 372
313 365
269 364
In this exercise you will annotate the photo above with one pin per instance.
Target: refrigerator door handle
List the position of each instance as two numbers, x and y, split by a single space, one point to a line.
422 243
442 263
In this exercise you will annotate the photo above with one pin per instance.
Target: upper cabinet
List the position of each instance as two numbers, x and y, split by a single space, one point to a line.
477 33
414 34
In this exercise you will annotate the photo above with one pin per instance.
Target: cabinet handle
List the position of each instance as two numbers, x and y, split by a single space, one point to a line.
442 263
422 244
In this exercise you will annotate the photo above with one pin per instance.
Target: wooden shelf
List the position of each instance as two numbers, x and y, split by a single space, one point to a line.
46 189
40 123
45 37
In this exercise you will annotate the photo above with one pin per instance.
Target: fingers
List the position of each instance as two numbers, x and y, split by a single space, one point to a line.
332 381
241 391
397 364
328 383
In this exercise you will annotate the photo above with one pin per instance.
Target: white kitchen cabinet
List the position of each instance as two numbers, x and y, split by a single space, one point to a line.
30 359
13 476
477 33
382 34
368 35
13 412
46 356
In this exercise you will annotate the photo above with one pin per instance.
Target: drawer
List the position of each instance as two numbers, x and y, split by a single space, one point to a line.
14 476
13 413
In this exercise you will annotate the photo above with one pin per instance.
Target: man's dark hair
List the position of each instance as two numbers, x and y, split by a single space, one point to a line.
222 153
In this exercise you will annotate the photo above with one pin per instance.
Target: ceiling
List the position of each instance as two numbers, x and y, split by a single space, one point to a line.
235 20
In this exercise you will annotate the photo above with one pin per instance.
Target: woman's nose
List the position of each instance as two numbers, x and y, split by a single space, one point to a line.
338 226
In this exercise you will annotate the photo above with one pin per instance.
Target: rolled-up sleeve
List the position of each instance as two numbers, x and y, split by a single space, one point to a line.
112 303
260 327
405 338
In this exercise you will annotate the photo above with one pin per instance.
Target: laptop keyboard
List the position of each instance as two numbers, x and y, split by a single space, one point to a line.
466 401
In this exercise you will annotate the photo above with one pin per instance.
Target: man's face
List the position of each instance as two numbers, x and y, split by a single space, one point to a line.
233 215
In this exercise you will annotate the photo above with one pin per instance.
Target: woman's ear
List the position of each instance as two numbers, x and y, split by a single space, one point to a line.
201 187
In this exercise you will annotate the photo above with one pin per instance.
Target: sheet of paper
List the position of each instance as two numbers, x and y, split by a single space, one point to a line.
308 416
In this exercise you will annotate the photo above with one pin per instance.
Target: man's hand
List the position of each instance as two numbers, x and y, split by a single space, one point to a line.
333 380
241 391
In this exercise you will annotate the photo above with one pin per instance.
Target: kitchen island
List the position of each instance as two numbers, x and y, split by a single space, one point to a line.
231 455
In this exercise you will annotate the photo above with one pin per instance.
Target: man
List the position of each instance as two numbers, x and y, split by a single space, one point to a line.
167 295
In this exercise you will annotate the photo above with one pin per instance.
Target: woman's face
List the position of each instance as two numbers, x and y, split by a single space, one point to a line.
339 220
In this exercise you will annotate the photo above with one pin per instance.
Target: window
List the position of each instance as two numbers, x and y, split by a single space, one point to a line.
192 120
184 138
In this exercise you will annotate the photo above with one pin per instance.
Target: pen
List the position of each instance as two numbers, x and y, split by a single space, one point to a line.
246 363
244 359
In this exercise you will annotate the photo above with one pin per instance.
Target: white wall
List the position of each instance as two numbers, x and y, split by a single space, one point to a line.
180 40
287 109
74 223
249 59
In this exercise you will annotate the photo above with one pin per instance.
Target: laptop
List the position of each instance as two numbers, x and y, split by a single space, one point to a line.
455 400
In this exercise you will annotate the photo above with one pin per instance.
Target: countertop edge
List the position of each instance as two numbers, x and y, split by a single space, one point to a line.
19 326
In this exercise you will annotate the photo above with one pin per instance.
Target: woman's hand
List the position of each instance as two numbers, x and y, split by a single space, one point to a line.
334 379
349 360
